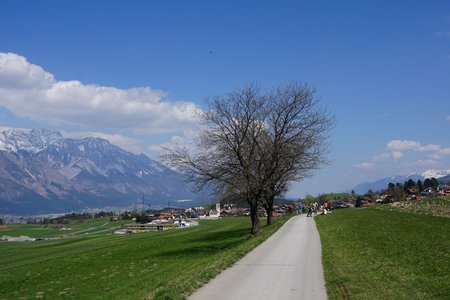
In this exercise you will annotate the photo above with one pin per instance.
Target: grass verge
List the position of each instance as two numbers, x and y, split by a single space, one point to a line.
155 265
377 254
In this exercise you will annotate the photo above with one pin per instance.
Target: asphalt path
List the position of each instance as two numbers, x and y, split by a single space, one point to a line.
288 265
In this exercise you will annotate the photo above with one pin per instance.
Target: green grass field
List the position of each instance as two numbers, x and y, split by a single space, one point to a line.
154 265
372 253
74 228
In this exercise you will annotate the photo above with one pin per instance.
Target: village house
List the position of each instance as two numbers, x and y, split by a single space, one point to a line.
443 190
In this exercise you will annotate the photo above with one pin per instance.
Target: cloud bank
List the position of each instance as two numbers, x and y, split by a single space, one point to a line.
398 145
396 148
28 91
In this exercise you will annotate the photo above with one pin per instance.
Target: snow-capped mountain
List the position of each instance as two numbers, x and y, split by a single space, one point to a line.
435 173
32 141
383 183
41 171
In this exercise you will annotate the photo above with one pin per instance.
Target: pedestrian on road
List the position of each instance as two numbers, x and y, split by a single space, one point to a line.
310 211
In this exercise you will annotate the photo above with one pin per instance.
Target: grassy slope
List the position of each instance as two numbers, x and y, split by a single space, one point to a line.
375 254
161 265
435 206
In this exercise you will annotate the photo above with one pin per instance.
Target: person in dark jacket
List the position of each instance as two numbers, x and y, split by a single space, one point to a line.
310 211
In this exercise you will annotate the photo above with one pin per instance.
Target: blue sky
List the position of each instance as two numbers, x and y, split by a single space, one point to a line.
135 72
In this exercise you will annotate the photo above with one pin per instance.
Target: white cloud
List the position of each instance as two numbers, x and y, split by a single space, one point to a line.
17 73
444 152
381 157
399 145
403 145
385 156
429 148
185 141
397 154
397 149
365 165
434 156
30 92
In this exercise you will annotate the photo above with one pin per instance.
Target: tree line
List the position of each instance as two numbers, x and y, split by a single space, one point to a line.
399 190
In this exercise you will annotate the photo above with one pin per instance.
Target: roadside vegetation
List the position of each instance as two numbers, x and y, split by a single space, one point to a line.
434 206
372 253
154 265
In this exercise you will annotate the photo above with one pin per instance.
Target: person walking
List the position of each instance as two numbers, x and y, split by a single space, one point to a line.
310 211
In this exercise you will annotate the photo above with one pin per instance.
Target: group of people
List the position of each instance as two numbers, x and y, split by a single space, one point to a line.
313 208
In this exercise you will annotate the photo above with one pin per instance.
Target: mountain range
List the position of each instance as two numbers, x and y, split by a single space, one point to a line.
441 175
43 172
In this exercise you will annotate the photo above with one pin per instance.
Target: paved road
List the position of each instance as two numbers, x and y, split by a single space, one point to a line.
288 265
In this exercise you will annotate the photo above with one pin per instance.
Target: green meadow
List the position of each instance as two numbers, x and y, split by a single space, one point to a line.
373 253
92 263
74 228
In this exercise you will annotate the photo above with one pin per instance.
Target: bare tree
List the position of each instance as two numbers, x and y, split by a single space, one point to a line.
296 140
227 148
253 145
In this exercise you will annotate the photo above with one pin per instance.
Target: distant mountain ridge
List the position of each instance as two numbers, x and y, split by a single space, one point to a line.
43 172
443 175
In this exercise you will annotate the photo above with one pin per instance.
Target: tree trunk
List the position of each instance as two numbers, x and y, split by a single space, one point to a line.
268 206
269 211
255 219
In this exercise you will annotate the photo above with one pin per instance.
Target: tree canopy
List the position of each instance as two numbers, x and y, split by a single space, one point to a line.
254 144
